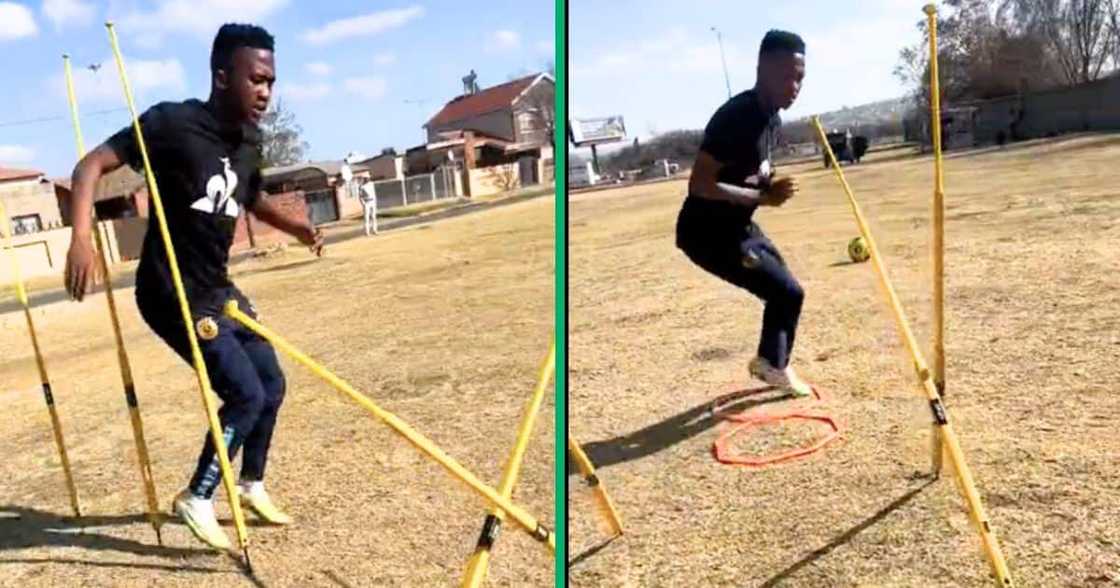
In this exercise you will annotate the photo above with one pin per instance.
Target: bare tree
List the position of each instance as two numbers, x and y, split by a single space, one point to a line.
1114 30
1081 34
281 143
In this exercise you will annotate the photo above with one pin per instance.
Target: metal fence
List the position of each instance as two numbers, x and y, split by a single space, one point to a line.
321 206
415 189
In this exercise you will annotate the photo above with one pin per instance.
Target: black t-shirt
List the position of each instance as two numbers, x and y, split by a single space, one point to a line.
207 173
740 135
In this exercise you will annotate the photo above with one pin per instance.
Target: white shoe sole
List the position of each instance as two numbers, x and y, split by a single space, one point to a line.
196 529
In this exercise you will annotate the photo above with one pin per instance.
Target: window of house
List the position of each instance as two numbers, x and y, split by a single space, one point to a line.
25 224
528 121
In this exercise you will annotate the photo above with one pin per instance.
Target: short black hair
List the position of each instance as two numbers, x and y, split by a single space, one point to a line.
777 41
232 37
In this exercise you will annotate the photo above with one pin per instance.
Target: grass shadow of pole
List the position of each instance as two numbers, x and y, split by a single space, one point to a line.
114 564
670 431
334 578
24 528
591 551
848 535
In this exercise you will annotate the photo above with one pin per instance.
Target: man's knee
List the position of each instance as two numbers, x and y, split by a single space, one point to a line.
793 295
249 400
274 388
271 376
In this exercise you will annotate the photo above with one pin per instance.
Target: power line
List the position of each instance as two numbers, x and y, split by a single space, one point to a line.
59 118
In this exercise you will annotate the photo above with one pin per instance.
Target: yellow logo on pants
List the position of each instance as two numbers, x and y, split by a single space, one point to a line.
207 328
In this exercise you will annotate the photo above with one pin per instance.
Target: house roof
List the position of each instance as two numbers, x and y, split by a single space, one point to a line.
10 174
330 168
457 138
307 170
370 160
487 100
119 182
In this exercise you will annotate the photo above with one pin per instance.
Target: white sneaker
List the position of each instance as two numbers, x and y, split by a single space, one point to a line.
786 380
797 386
253 496
198 514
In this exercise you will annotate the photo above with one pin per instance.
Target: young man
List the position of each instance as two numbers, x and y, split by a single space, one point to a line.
206 160
369 206
731 178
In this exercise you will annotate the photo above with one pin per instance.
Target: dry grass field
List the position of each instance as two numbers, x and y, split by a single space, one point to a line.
1033 343
445 324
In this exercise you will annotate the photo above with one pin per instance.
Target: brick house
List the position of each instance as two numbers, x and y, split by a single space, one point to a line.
29 200
505 129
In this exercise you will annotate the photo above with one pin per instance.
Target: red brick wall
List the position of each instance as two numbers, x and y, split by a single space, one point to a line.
292 204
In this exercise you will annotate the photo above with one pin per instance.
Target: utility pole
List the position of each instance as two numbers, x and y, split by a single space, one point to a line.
726 78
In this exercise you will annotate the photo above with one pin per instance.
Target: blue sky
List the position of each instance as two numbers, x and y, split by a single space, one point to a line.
359 75
657 62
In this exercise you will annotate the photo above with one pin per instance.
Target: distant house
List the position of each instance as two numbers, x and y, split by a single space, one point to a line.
386 166
519 112
28 197
327 195
496 138
122 193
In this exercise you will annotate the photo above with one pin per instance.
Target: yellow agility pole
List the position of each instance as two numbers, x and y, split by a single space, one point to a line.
154 516
480 561
938 230
176 277
587 469
56 424
941 417
527 522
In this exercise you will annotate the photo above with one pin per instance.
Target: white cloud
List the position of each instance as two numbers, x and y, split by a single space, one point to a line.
304 92
318 68
832 76
385 58
197 17
16 154
546 47
68 12
16 22
166 76
503 41
362 26
372 87
674 50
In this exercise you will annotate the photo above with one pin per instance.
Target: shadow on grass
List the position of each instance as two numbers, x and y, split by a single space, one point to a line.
848 535
288 266
334 578
591 551
673 430
114 564
26 528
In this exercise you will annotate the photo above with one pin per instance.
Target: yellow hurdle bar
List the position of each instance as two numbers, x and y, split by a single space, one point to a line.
154 516
941 416
56 424
938 231
527 522
587 469
176 278
480 561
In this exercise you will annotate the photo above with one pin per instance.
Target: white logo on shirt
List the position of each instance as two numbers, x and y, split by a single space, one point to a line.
762 175
219 193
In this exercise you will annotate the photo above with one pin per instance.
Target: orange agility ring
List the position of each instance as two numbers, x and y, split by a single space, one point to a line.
721 449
